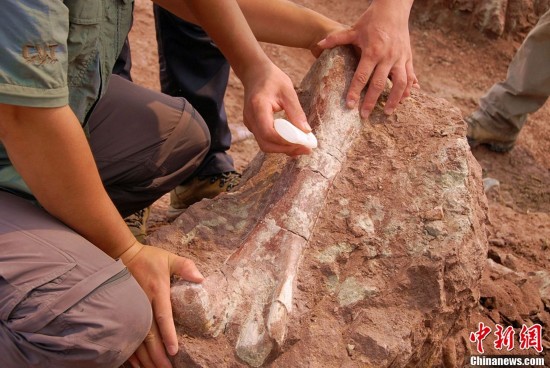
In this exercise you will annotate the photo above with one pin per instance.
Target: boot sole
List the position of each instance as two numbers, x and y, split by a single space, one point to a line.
492 145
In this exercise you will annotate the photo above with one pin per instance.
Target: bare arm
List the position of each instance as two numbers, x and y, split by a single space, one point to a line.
280 22
285 23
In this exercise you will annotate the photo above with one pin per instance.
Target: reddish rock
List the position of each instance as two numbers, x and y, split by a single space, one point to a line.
495 18
369 252
490 16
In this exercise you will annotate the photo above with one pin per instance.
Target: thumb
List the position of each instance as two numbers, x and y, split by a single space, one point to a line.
186 269
295 113
344 37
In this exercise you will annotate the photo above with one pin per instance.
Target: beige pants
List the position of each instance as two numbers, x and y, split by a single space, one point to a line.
63 302
527 85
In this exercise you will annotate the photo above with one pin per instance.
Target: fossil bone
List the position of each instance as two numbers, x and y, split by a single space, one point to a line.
270 253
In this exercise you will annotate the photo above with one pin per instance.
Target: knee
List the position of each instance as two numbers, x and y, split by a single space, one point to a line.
101 330
131 316
136 312
118 319
193 140
202 133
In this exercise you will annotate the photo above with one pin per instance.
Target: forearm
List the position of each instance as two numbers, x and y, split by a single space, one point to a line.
226 25
286 23
279 21
396 11
49 150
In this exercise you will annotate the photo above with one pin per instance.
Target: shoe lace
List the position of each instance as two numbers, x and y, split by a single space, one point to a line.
232 178
135 219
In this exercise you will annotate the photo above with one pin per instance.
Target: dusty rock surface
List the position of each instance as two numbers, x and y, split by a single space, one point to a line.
494 18
386 216
455 61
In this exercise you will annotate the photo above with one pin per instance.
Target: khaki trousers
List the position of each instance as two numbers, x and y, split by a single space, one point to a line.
527 85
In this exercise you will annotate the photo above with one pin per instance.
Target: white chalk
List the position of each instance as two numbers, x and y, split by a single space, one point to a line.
294 135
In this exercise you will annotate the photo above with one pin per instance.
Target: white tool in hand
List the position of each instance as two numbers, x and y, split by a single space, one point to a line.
294 135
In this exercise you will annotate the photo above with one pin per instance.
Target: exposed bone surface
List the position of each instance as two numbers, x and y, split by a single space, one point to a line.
367 252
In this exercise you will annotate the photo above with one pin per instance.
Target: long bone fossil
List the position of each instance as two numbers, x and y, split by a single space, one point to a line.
249 298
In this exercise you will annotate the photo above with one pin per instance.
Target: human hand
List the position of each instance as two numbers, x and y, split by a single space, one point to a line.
152 268
269 90
381 34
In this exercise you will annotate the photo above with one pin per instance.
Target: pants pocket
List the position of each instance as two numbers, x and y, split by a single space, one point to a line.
27 262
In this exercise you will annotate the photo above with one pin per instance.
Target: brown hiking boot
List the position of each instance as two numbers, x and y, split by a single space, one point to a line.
198 188
137 223
486 133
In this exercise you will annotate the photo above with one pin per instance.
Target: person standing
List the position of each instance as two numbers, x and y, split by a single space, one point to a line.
503 110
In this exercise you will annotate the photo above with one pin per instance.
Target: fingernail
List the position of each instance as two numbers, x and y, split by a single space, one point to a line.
389 111
351 103
307 126
322 42
365 114
172 349
199 276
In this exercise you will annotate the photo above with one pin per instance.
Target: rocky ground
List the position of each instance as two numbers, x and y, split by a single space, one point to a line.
456 61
